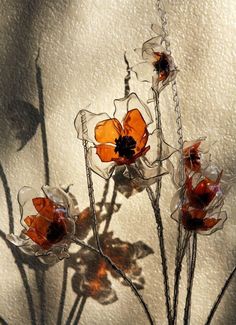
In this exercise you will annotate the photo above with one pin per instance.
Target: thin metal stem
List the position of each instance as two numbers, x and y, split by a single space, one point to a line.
160 234
155 201
73 309
220 296
178 269
165 39
119 272
111 209
80 311
190 281
95 223
63 294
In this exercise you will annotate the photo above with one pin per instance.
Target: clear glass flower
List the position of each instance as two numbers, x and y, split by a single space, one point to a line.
202 222
48 223
157 65
203 199
123 140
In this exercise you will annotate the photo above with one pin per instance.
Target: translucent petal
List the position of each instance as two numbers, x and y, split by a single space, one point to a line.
103 169
172 75
139 52
144 71
57 195
90 120
222 217
106 152
152 45
73 205
157 29
147 170
135 126
17 240
108 131
159 149
126 104
25 197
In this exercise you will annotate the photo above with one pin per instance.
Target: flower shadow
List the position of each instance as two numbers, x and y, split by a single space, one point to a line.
93 275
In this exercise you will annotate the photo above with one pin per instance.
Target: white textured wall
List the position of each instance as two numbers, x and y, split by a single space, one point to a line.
82 44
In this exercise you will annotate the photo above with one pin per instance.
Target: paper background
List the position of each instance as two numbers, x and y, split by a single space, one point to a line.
82 45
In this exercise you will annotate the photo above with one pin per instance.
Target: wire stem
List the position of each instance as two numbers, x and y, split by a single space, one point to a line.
190 281
120 273
94 225
220 296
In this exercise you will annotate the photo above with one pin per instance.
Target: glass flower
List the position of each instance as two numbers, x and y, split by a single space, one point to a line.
91 277
200 190
48 222
201 221
196 159
203 200
196 155
157 64
123 140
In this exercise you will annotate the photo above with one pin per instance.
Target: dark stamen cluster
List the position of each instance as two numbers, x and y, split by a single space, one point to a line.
192 223
125 146
56 232
162 65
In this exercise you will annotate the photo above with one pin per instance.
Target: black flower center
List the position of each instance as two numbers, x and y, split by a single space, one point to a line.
56 232
125 146
194 156
192 223
162 64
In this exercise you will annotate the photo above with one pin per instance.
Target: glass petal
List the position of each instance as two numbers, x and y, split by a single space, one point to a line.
25 199
222 217
152 45
106 152
135 126
90 120
159 149
103 169
147 170
157 29
144 71
56 195
108 131
126 104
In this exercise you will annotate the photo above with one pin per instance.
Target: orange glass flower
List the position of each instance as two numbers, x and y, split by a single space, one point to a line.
49 226
122 144
196 220
48 223
161 65
203 193
157 65
192 157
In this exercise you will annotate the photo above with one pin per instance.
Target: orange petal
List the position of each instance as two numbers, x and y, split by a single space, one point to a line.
47 208
46 233
29 220
108 130
136 127
106 153
38 231
209 223
40 240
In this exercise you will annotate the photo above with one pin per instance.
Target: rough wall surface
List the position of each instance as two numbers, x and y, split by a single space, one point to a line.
82 43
